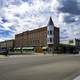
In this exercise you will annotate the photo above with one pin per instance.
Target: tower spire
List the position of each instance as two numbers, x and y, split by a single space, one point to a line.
50 21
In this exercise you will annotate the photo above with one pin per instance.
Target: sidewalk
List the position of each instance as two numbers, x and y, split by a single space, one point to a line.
3 56
36 54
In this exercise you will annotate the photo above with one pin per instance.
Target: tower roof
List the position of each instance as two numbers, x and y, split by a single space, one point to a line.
50 21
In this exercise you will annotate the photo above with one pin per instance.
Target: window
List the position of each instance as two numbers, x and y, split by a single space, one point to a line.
50 32
50 39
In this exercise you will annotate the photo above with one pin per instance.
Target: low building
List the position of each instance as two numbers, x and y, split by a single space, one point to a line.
8 44
75 42
72 45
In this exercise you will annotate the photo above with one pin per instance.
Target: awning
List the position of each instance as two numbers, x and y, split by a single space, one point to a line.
28 48
44 47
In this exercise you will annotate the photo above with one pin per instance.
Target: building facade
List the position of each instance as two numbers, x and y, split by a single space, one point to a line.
74 42
47 36
72 45
7 45
52 36
33 38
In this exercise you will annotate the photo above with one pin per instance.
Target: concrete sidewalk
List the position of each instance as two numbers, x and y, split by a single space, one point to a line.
36 54
3 56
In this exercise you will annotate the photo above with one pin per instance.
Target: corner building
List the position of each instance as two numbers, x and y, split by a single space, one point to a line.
42 38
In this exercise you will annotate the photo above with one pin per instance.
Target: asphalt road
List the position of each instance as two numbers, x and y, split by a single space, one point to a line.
61 67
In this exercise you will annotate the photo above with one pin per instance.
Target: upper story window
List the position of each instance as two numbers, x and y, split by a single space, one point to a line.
50 39
50 32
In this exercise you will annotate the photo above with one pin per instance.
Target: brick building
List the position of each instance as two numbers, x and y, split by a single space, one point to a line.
34 38
47 37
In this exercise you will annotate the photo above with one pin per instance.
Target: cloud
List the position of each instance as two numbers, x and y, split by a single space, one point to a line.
17 16
69 18
70 6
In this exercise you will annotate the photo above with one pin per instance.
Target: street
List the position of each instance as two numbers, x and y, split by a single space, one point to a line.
47 67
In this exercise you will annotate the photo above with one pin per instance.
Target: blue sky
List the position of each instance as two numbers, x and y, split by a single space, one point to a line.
17 16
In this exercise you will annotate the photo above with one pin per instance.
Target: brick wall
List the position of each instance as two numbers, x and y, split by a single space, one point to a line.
37 37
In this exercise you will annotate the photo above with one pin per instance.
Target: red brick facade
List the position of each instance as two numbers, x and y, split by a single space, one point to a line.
37 37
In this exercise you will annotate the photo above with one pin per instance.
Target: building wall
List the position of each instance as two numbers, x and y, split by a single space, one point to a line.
77 42
74 42
7 43
56 35
37 37
10 43
18 40
2 44
52 44
50 34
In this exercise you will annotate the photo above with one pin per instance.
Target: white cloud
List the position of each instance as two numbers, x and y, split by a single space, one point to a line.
61 17
24 16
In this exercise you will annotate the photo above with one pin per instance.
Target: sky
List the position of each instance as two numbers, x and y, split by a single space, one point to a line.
17 16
